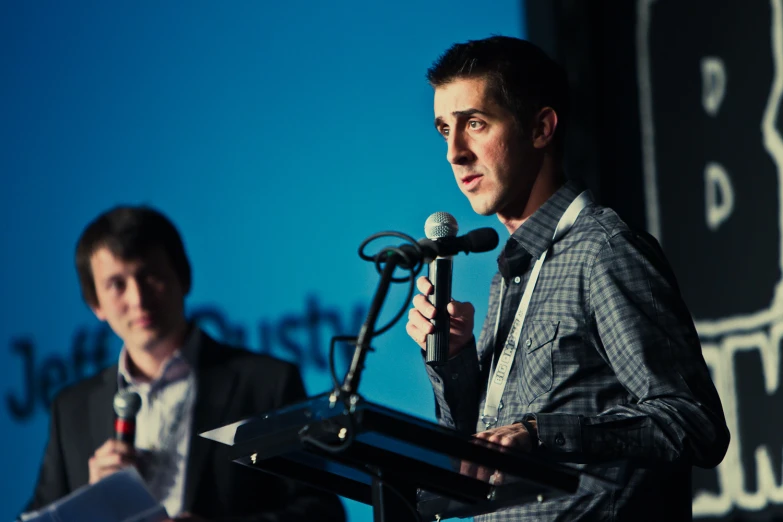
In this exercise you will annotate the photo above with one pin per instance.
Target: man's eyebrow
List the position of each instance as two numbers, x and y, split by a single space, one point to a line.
464 114
469 112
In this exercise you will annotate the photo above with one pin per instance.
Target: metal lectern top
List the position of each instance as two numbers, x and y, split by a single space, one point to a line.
344 445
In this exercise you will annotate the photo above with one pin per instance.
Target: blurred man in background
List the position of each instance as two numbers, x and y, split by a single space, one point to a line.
134 275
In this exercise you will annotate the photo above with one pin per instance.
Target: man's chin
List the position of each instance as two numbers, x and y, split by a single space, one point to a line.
149 339
482 207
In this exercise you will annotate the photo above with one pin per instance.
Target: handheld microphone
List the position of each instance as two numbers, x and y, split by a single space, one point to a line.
126 405
438 226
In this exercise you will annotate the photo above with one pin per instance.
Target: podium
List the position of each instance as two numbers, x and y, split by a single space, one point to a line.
405 467
408 469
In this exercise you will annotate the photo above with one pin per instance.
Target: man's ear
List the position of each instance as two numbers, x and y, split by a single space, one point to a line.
544 127
98 311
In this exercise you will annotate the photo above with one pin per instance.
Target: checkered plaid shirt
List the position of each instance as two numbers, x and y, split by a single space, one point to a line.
609 364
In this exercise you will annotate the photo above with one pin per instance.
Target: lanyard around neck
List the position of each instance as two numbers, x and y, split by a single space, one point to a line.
497 384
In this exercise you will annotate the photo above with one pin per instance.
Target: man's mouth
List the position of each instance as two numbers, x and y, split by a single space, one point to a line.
470 181
144 321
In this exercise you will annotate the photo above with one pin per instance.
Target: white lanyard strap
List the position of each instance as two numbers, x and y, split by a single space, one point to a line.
497 384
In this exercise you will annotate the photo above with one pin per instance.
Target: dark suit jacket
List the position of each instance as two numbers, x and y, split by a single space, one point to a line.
232 384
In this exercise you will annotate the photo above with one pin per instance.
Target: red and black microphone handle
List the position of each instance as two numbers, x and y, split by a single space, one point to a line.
125 430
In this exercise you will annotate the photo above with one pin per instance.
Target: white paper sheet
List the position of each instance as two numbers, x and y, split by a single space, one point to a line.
120 497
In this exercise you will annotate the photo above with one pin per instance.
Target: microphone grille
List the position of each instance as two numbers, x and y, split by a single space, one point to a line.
440 224
126 404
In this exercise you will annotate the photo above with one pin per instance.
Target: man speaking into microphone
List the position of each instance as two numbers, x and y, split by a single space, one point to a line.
588 354
172 381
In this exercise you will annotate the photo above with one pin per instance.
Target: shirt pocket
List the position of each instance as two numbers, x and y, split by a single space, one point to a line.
536 344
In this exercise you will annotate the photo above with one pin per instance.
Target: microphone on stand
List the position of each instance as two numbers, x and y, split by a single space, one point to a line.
438 226
126 405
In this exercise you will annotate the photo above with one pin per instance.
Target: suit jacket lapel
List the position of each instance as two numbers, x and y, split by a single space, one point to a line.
214 387
101 411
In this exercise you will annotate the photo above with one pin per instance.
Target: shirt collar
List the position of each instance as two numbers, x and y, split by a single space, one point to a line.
534 236
176 367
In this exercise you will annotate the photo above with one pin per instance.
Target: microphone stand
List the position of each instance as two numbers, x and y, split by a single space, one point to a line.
352 378
392 500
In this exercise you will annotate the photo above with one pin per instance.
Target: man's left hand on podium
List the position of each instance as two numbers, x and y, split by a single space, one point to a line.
514 436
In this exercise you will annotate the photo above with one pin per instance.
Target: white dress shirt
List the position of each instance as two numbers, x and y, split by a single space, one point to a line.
163 424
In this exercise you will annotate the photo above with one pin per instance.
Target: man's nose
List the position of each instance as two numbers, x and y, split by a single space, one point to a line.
137 293
459 152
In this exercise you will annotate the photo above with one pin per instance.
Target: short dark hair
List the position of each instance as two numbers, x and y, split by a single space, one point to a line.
129 232
521 77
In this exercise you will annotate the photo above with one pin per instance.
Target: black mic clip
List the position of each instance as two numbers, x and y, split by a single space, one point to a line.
426 250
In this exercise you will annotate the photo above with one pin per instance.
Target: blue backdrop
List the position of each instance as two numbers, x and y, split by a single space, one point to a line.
277 136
